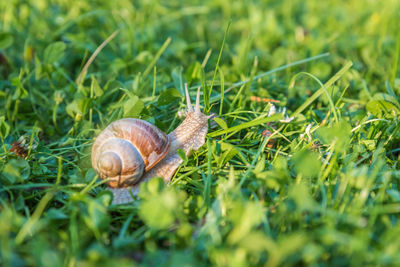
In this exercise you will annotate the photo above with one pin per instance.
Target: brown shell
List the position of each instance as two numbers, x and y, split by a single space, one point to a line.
151 142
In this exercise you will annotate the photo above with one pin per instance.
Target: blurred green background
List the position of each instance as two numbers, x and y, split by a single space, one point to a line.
232 203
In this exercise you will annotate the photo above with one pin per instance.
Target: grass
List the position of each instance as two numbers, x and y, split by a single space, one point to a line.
321 189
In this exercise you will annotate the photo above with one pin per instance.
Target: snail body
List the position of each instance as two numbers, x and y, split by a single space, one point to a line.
131 151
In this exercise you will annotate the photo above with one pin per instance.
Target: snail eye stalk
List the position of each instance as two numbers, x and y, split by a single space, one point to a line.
189 105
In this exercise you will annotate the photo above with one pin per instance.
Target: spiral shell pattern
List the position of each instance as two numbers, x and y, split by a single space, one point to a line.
126 149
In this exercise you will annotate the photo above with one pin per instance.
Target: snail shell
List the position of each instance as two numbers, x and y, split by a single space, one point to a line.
127 148
130 151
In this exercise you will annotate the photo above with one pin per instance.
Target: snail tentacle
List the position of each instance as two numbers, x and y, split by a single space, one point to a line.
189 105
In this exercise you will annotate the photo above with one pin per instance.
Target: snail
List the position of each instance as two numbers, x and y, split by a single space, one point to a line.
130 151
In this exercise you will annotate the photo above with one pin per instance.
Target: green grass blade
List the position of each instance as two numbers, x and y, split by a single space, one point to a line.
320 91
255 122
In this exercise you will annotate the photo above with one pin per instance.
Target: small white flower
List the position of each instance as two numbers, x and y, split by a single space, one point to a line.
308 129
307 133
272 110
287 119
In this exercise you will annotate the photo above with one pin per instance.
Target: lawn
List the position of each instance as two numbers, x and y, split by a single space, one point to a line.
300 166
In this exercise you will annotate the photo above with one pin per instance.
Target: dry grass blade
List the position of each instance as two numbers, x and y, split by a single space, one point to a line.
82 74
